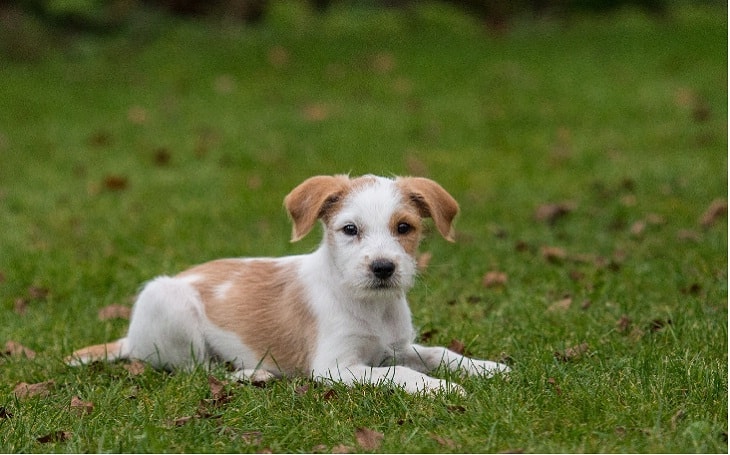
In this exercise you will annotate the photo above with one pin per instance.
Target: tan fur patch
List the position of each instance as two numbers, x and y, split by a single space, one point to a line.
98 352
409 240
431 200
264 305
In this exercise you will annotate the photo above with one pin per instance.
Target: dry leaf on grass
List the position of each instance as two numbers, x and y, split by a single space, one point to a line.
40 389
81 407
252 437
623 324
135 367
555 385
560 305
716 210
4 413
550 213
114 312
457 346
368 439
572 353
553 254
494 279
15 349
341 448
56 436
446 442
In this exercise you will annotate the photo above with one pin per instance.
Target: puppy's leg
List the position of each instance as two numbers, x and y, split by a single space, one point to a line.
410 380
423 358
258 376
167 325
107 352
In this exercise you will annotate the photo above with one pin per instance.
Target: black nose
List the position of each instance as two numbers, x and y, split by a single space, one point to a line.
382 268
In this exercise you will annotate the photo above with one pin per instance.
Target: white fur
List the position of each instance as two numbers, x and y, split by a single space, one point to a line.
363 333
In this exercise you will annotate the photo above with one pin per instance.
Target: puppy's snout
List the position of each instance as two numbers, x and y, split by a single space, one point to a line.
382 268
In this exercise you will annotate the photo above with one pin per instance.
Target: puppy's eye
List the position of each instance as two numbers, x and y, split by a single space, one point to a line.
404 228
350 229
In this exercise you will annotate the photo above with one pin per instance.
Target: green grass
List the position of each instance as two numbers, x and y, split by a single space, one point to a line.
128 156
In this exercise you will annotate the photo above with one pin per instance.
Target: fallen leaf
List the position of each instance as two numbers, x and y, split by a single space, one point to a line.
20 306
561 305
316 112
341 448
56 436
302 389
572 353
252 437
637 229
37 292
446 442
658 324
457 408
116 182
494 279
368 439
623 324
40 389
329 394
180 421
553 254
555 385
550 213
218 391
137 115
15 349
114 312
688 235
457 346
81 407
135 367
716 210
4 413
319 448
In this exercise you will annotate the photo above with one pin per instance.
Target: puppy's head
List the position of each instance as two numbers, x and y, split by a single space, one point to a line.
372 225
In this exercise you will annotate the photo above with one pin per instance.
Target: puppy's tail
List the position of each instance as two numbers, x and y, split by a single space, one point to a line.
107 352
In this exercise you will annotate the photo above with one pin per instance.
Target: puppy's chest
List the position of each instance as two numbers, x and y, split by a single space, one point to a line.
383 338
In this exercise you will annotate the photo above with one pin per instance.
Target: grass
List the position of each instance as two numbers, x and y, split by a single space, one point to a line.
137 154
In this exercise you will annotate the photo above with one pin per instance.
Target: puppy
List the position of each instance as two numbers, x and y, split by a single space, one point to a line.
337 314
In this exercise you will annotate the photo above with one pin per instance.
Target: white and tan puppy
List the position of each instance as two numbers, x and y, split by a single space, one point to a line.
337 314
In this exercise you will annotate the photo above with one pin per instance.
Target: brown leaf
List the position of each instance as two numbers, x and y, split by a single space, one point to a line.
446 442
135 367
716 210
688 235
162 156
550 213
561 305
137 115
180 421
252 437
555 385
329 394
218 390
116 182
341 448
553 254
572 353
15 349
623 324
316 112
494 279
457 346
4 413
20 306
37 292
56 436
637 229
114 312
81 407
457 408
368 439
302 389
40 389
658 324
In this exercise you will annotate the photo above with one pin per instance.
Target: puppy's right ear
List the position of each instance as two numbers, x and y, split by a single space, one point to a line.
313 199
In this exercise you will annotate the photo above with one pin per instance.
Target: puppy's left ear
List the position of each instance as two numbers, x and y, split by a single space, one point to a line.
313 199
432 201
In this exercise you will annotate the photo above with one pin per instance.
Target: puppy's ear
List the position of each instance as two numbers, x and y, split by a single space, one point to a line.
313 199
432 201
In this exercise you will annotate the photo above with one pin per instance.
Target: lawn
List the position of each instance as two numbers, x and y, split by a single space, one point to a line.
589 156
